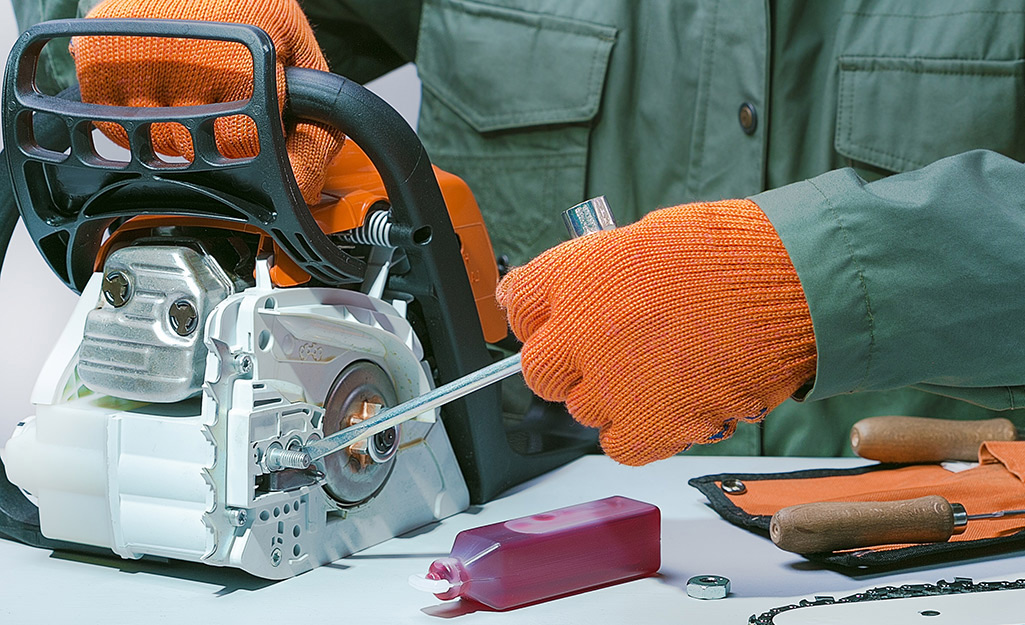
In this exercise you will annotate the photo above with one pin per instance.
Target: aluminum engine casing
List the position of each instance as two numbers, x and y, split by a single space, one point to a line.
131 350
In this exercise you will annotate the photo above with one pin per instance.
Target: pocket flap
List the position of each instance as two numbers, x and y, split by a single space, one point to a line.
501 68
904 113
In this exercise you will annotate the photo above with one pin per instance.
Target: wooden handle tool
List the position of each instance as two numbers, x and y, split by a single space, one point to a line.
832 526
917 439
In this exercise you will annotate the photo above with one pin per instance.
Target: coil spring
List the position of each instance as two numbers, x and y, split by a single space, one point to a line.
376 230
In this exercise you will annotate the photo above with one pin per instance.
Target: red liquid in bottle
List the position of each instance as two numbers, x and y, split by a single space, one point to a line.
538 557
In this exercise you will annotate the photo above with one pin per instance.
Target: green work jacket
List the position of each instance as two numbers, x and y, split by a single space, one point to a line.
882 138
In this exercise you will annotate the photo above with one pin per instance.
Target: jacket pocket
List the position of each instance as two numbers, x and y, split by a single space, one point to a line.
508 100
902 113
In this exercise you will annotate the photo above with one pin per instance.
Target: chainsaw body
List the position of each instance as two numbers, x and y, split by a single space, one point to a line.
189 479
223 325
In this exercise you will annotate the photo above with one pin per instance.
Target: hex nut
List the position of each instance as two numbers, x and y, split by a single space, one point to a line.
708 587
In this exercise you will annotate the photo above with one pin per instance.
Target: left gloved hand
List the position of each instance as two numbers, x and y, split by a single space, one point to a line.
667 332
149 71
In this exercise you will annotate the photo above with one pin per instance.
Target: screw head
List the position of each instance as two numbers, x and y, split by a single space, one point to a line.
184 318
243 363
238 517
117 289
275 557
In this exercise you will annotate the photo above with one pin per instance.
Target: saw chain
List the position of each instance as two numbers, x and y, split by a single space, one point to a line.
960 585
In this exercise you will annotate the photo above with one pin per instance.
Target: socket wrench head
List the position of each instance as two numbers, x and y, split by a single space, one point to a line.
588 217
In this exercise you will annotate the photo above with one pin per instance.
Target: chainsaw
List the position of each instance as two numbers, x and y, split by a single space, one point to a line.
224 326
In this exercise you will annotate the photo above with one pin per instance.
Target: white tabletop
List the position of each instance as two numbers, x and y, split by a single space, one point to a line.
39 586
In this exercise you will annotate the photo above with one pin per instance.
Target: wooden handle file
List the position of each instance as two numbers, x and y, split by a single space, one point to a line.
917 439
831 526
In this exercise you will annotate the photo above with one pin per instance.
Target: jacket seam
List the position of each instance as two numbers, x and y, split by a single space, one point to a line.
928 17
897 162
570 25
536 161
919 57
870 317
909 70
551 116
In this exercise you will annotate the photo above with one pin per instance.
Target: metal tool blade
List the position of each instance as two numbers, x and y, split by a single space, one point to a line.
414 407
995 515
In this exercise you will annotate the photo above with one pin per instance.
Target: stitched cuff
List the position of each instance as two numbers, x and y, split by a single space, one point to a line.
813 231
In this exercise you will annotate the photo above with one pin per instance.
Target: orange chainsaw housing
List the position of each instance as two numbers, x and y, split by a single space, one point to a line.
352 190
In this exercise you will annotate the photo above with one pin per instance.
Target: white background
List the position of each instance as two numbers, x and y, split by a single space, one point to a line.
34 304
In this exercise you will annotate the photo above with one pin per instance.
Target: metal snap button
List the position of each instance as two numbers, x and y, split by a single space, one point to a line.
748 117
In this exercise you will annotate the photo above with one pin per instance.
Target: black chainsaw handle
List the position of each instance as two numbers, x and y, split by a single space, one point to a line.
260 190
69 198
393 147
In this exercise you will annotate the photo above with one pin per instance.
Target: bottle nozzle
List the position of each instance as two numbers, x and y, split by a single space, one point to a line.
445 579
426 584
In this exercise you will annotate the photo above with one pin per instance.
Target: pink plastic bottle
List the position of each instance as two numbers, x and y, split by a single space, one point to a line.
538 557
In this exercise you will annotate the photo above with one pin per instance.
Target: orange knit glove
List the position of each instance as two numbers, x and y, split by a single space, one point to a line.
136 71
667 332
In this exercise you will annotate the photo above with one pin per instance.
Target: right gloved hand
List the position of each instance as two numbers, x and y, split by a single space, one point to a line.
134 71
667 332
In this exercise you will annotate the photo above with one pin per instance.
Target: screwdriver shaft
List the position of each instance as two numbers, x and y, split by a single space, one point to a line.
414 407
994 515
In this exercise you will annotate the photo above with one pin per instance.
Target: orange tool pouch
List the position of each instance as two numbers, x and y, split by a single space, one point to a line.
997 483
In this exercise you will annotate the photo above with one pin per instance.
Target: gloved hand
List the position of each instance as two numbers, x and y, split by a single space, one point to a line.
135 71
666 332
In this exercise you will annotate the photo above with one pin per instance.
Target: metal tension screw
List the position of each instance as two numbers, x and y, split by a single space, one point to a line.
279 459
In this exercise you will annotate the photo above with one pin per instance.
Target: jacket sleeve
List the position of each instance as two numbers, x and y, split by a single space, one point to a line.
913 280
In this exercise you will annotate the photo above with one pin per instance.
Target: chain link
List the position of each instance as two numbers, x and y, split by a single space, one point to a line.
960 585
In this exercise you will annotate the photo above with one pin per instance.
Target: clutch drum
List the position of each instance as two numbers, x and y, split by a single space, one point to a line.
356 474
